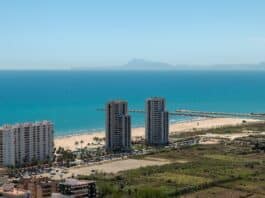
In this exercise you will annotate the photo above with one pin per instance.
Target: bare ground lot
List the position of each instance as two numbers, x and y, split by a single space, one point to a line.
117 166
109 167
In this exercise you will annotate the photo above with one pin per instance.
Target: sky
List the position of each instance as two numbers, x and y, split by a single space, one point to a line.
79 33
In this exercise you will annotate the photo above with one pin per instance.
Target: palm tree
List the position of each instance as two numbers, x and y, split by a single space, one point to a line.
81 142
76 144
96 139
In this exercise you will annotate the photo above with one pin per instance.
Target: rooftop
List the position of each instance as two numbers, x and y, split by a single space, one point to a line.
155 98
74 182
26 124
117 101
8 189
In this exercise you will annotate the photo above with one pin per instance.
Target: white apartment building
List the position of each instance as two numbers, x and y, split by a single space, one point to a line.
26 143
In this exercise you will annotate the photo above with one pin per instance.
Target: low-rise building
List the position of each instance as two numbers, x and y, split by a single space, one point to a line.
73 188
40 187
9 191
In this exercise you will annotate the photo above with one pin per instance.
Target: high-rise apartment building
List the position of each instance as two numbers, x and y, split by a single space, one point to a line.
118 126
1 147
156 121
26 143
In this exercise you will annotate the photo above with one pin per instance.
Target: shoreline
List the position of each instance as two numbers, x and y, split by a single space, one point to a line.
102 130
68 141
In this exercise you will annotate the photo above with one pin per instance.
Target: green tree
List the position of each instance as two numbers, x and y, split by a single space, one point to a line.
96 139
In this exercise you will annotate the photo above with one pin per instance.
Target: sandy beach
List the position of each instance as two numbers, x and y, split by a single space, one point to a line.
68 142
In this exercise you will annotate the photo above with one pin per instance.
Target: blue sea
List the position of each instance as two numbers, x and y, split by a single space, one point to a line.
70 98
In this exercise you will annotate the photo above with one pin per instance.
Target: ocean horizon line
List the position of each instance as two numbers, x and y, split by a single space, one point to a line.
133 70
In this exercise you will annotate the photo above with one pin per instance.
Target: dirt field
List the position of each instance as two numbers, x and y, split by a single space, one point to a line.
117 166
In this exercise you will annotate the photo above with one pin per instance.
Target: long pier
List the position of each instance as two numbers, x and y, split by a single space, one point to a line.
259 116
191 113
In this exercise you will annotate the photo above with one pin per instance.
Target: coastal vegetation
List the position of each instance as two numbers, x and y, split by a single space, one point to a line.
234 168
254 127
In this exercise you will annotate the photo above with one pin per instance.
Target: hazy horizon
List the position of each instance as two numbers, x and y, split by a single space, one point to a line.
150 65
63 35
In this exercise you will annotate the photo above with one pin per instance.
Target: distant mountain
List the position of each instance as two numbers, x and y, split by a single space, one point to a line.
141 64
134 64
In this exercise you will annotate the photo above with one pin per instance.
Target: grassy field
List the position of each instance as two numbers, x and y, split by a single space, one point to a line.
210 171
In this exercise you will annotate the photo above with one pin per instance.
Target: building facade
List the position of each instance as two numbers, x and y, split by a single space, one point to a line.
156 122
1 147
40 187
26 143
9 191
118 126
73 188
